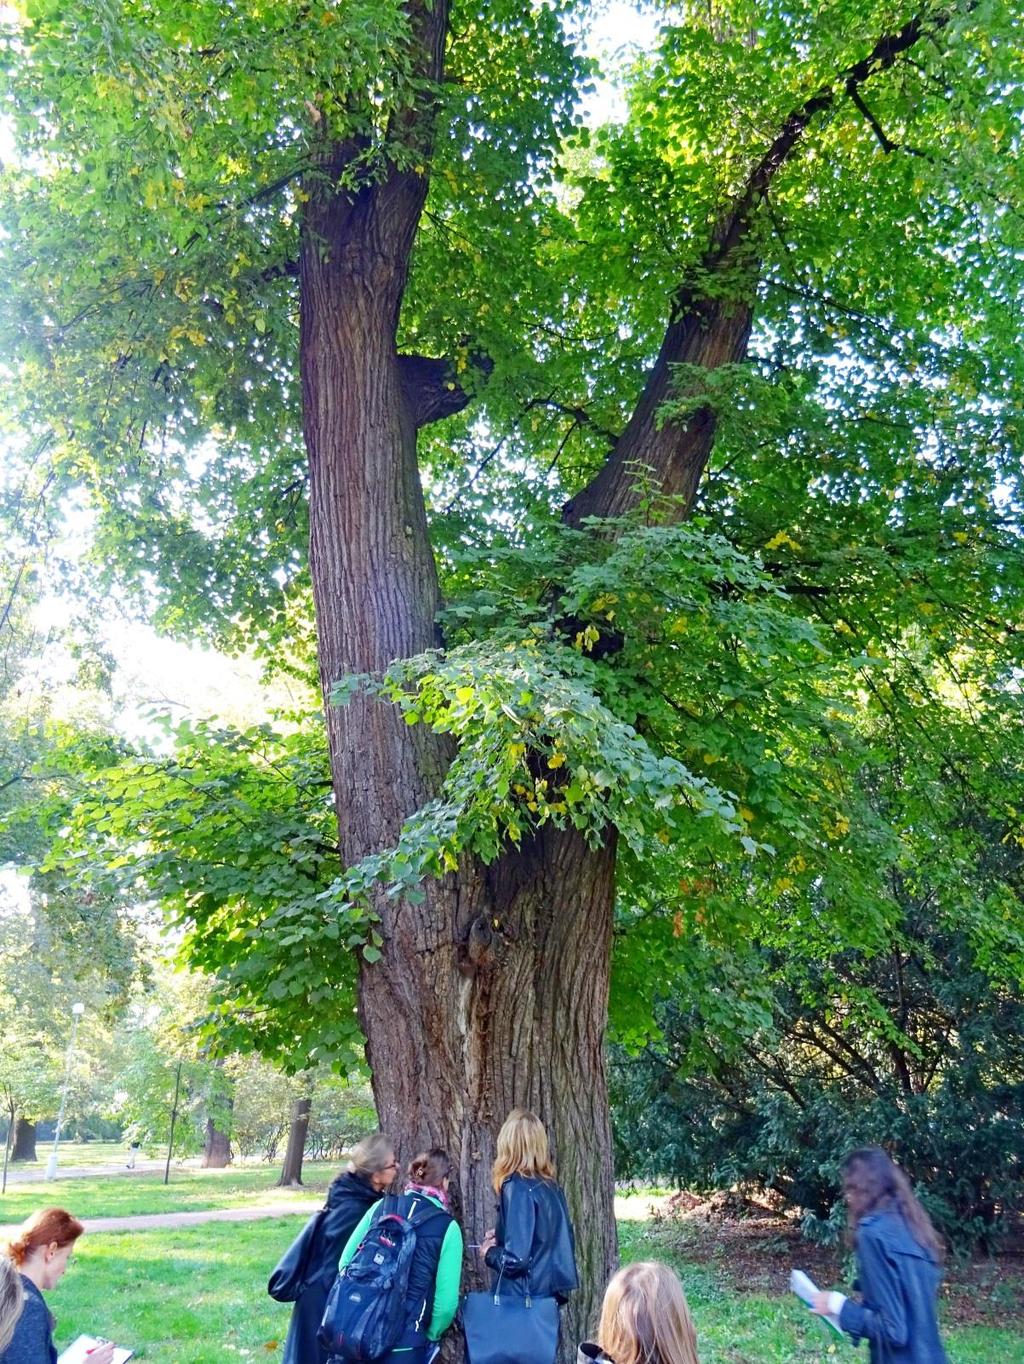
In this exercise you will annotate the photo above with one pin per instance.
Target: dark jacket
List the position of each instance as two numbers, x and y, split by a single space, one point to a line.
32 1342
591 1354
535 1252
347 1199
899 1282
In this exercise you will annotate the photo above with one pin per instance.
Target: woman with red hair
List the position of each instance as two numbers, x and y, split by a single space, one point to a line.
40 1252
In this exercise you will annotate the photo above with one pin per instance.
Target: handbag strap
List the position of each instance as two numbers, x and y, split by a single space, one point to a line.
527 1300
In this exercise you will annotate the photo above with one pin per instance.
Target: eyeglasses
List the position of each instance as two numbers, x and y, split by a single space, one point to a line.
393 1166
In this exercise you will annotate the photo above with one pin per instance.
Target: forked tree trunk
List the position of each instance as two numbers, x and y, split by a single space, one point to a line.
24 1147
455 1038
492 992
291 1171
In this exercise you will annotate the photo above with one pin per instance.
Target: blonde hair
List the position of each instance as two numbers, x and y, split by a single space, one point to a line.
522 1149
371 1155
12 1300
645 1319
48 1227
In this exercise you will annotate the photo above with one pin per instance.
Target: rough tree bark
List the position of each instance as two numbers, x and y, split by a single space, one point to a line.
216 1148
493 991
291 1171
24 1147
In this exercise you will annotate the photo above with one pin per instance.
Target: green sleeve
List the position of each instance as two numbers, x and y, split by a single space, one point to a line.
351 1245
447 1283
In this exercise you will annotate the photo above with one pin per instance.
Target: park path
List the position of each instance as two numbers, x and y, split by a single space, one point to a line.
154 1221
20 1175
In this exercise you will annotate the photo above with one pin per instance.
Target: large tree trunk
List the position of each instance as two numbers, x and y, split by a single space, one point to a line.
291 1172
510 1016
24 1140
492 993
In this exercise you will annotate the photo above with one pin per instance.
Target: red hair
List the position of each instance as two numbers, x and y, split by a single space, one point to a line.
49 1226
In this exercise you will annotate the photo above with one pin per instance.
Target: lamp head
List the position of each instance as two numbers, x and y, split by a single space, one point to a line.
78 1010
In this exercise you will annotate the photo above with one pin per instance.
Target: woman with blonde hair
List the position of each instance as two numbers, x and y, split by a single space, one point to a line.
307 1269
644 1320
12 1300
531 1252
40 1252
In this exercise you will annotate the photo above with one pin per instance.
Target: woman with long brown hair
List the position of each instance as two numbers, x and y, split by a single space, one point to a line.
645 1319
898 1257
40 1252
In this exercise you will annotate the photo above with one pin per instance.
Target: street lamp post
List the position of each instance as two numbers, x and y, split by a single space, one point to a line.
77 1010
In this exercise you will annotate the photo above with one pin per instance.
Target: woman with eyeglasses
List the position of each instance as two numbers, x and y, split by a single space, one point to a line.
313 1264
40 1252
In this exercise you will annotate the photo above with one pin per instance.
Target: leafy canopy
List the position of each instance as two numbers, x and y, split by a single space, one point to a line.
728 695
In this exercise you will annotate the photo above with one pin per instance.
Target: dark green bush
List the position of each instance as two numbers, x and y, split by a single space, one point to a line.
780 1115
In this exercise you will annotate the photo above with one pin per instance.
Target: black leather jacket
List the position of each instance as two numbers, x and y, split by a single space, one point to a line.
535 1252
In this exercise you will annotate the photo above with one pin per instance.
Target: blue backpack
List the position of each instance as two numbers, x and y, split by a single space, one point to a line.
367 1307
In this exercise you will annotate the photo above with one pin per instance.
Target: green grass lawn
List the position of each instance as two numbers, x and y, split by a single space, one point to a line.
198 1296
189 1190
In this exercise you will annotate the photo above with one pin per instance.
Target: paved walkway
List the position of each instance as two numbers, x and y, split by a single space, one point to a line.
36 1174
154 1221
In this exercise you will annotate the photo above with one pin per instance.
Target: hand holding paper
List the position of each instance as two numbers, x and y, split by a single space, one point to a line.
92 1350
807 1290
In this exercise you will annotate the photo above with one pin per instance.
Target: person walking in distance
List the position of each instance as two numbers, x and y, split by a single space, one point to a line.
898 1255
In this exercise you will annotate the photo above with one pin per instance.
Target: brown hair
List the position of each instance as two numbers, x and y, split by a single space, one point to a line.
12 1300
873 1182
522 1149
645 1318
50 1226
430 1167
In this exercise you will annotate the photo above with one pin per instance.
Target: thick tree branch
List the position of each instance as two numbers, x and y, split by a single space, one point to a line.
432 388
711 313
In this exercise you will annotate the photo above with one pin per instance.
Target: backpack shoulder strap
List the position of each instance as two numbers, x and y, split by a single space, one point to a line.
381 1209
427 1212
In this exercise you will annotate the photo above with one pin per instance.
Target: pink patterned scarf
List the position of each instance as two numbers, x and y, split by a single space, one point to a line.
430 1190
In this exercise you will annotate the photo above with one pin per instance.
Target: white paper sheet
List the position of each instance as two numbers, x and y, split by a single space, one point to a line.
805 1288
78 1351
